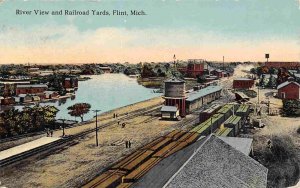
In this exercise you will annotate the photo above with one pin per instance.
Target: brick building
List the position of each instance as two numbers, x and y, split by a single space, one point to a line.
71 82
289 90
243 83
287 65
194 68
31 89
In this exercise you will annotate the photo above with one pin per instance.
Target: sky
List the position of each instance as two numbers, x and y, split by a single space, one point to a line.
239 30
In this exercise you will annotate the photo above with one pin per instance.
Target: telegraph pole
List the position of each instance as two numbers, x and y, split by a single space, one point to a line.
63 126
96 111
223 63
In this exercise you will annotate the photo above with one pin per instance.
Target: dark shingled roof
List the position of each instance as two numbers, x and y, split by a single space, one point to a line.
209 162
217 164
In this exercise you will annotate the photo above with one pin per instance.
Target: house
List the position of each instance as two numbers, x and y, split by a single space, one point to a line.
243 83
169 112
51 94
209 162
31 89
289 90
24 98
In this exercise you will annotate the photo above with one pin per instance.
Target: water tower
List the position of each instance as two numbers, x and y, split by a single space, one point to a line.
175 94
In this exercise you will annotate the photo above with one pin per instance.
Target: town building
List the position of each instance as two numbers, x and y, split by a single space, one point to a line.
243 83
289 90
194 68
280 64
209 162
31 89
50 94
220 73
70 83
7 100
105 69
169 112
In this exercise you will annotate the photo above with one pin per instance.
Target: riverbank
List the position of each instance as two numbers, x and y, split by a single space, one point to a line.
84 160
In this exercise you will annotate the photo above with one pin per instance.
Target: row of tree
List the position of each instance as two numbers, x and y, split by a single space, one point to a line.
31 119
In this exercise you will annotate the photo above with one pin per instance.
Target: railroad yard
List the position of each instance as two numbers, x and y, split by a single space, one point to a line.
115 163
84 161
81 158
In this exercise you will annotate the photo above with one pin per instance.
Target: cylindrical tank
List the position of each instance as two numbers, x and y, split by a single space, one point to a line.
174 88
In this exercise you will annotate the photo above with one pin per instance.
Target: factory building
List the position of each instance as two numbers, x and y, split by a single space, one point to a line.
194 68
201 97
175 94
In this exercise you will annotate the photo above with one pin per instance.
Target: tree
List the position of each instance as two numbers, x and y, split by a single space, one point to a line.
291 107
272 81
79 109
201 79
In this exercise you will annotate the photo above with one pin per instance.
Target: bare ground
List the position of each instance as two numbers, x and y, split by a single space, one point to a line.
81 162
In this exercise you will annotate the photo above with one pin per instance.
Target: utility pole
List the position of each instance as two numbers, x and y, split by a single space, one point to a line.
223 63
96 111
63 126
174 61
211 124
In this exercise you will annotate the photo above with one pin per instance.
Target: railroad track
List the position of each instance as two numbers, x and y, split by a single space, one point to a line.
56 145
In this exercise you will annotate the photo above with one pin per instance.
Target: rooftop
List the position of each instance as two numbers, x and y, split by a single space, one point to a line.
169 109
32 85
244 145
209 162
217 164
175 80
244 79
203 92
287 83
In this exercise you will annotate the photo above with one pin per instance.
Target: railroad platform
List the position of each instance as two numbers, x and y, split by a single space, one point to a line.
26 147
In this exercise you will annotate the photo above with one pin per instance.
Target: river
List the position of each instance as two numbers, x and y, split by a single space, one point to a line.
104 92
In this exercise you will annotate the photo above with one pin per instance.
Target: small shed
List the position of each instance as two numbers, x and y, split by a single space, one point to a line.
169 112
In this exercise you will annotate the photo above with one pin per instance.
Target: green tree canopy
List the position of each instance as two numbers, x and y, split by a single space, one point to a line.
79 109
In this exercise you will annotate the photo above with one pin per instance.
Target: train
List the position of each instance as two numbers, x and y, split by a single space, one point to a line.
230 116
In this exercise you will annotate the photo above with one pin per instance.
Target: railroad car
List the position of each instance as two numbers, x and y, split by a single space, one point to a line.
207 113
227 110
225 132
235 123
243 110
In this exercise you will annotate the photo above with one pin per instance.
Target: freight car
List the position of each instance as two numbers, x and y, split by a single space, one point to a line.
207 113
210 125
243 110
225 132
227 110
235 123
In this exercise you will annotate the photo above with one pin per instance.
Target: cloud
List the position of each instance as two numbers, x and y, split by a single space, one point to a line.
66 44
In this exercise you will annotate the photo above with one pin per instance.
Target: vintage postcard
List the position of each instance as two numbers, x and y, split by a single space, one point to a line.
149 94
